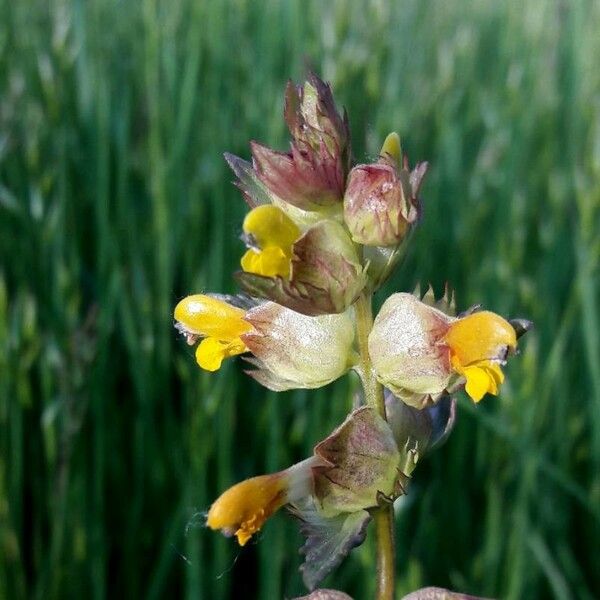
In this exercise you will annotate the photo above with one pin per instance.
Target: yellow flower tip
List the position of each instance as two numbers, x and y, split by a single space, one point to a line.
270 233
481 336
478 344
243 508
208 316
391 147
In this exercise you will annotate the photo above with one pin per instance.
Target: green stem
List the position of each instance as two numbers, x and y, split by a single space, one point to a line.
364 323
384 516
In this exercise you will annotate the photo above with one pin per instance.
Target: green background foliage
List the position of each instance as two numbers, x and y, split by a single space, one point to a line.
115 202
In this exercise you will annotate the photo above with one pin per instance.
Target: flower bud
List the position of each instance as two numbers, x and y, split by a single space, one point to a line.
307 179
296 351
417 350
380 202
313 119
376 205
312 175
256 193
324 274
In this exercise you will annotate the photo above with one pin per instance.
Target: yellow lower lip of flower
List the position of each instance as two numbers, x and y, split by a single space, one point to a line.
211 352
243 508
484 377
269 262
272 234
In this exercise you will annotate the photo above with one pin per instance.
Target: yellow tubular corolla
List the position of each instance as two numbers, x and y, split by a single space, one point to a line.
243 508
478 344
391 147
272 234
221 324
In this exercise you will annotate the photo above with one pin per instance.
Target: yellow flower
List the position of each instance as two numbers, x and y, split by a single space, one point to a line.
478 344
392 148
270 234
348 472
417 350
290 350
243 509
221 324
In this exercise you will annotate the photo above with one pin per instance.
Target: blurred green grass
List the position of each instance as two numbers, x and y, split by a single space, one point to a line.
115 202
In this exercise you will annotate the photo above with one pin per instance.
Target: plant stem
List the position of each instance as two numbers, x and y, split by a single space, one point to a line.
384 516
386 559
364 323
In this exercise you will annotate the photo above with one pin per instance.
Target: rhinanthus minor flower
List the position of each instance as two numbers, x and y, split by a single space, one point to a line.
348 472
270 235
318 273
219 323
243 509
290 350
417 349
364 462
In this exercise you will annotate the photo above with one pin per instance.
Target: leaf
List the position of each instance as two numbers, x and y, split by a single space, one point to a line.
426 428
328 541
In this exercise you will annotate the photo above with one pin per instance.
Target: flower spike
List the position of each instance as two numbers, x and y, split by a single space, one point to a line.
321 237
